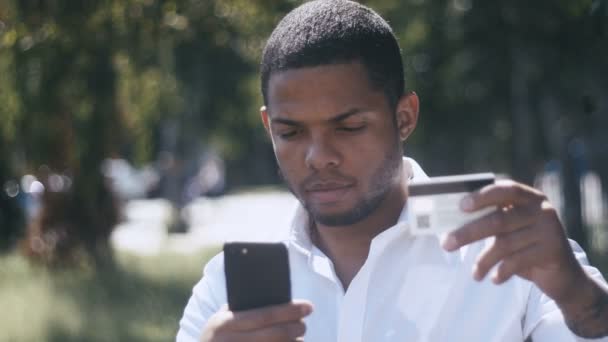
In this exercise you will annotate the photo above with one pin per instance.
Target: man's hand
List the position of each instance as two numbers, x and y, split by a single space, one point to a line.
278 323
530 242
529 239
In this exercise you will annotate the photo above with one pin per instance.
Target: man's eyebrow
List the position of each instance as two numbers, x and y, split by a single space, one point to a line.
346 115
335 119
284 121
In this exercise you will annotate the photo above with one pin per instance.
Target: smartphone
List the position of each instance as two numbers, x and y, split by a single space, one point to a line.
257 275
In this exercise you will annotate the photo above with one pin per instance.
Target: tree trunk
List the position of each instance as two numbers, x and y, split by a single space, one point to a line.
523 147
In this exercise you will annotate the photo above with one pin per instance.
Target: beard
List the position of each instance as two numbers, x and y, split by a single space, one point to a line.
380 184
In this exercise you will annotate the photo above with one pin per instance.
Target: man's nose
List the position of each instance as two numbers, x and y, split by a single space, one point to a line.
322 154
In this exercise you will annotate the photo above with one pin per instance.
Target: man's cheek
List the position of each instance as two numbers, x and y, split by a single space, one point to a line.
288 156
289 167
282 149
290 175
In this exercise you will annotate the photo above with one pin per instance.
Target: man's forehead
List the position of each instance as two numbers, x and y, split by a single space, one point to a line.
326 85
294 118
310 75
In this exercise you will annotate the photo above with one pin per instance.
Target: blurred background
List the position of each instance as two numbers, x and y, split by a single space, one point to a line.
131 146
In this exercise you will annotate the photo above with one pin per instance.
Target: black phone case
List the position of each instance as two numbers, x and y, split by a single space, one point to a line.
257 275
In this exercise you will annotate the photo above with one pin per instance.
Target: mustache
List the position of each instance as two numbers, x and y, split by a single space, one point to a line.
331 180
317 181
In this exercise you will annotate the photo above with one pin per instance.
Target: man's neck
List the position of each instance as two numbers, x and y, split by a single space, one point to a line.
348 246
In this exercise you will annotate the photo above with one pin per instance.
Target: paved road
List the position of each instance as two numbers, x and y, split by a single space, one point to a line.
258 216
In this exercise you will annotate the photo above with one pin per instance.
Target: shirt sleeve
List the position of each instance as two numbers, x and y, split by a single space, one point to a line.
544 321
208 295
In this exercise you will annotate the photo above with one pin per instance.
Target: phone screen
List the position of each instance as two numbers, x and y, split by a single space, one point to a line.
257 275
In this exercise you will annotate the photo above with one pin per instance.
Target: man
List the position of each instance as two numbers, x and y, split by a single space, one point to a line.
337 114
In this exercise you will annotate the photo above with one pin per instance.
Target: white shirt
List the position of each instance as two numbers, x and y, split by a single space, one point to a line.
409 289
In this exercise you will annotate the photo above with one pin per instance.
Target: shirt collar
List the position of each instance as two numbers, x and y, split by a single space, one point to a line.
300 226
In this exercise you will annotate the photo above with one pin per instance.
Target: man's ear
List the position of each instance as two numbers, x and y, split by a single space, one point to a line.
265 119
407 114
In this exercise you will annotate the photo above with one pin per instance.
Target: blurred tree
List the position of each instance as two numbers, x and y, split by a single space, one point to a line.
90 80
11 216
216 62
68 121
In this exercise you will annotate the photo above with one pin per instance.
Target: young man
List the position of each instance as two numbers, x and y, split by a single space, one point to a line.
337 114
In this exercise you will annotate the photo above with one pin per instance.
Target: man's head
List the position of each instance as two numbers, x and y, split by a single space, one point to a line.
333 32
332 80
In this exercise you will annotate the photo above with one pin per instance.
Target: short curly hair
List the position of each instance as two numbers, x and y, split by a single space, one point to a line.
327 32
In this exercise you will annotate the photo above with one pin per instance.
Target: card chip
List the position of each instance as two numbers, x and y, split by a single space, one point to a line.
423 221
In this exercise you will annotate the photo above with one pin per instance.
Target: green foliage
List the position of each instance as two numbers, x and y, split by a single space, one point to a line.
194 60
488 69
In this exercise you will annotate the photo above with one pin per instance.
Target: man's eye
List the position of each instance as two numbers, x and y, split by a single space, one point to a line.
351 128
288 134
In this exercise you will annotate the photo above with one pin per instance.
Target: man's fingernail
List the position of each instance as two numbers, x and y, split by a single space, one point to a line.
306 310
466 203
450 243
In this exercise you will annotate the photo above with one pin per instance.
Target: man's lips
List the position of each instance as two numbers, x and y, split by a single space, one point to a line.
328 192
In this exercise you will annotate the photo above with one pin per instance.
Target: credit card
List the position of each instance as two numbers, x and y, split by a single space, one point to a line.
433 205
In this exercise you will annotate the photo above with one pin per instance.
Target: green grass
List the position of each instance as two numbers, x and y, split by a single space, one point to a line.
141 299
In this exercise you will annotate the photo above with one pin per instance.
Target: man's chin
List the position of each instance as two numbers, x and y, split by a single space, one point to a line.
342 213
337 219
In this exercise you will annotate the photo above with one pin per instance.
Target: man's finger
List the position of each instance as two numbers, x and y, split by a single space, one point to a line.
494 223
503 193
504 245
519 262
268 316
280 333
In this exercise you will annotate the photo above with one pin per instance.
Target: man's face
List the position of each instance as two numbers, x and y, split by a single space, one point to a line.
335 140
